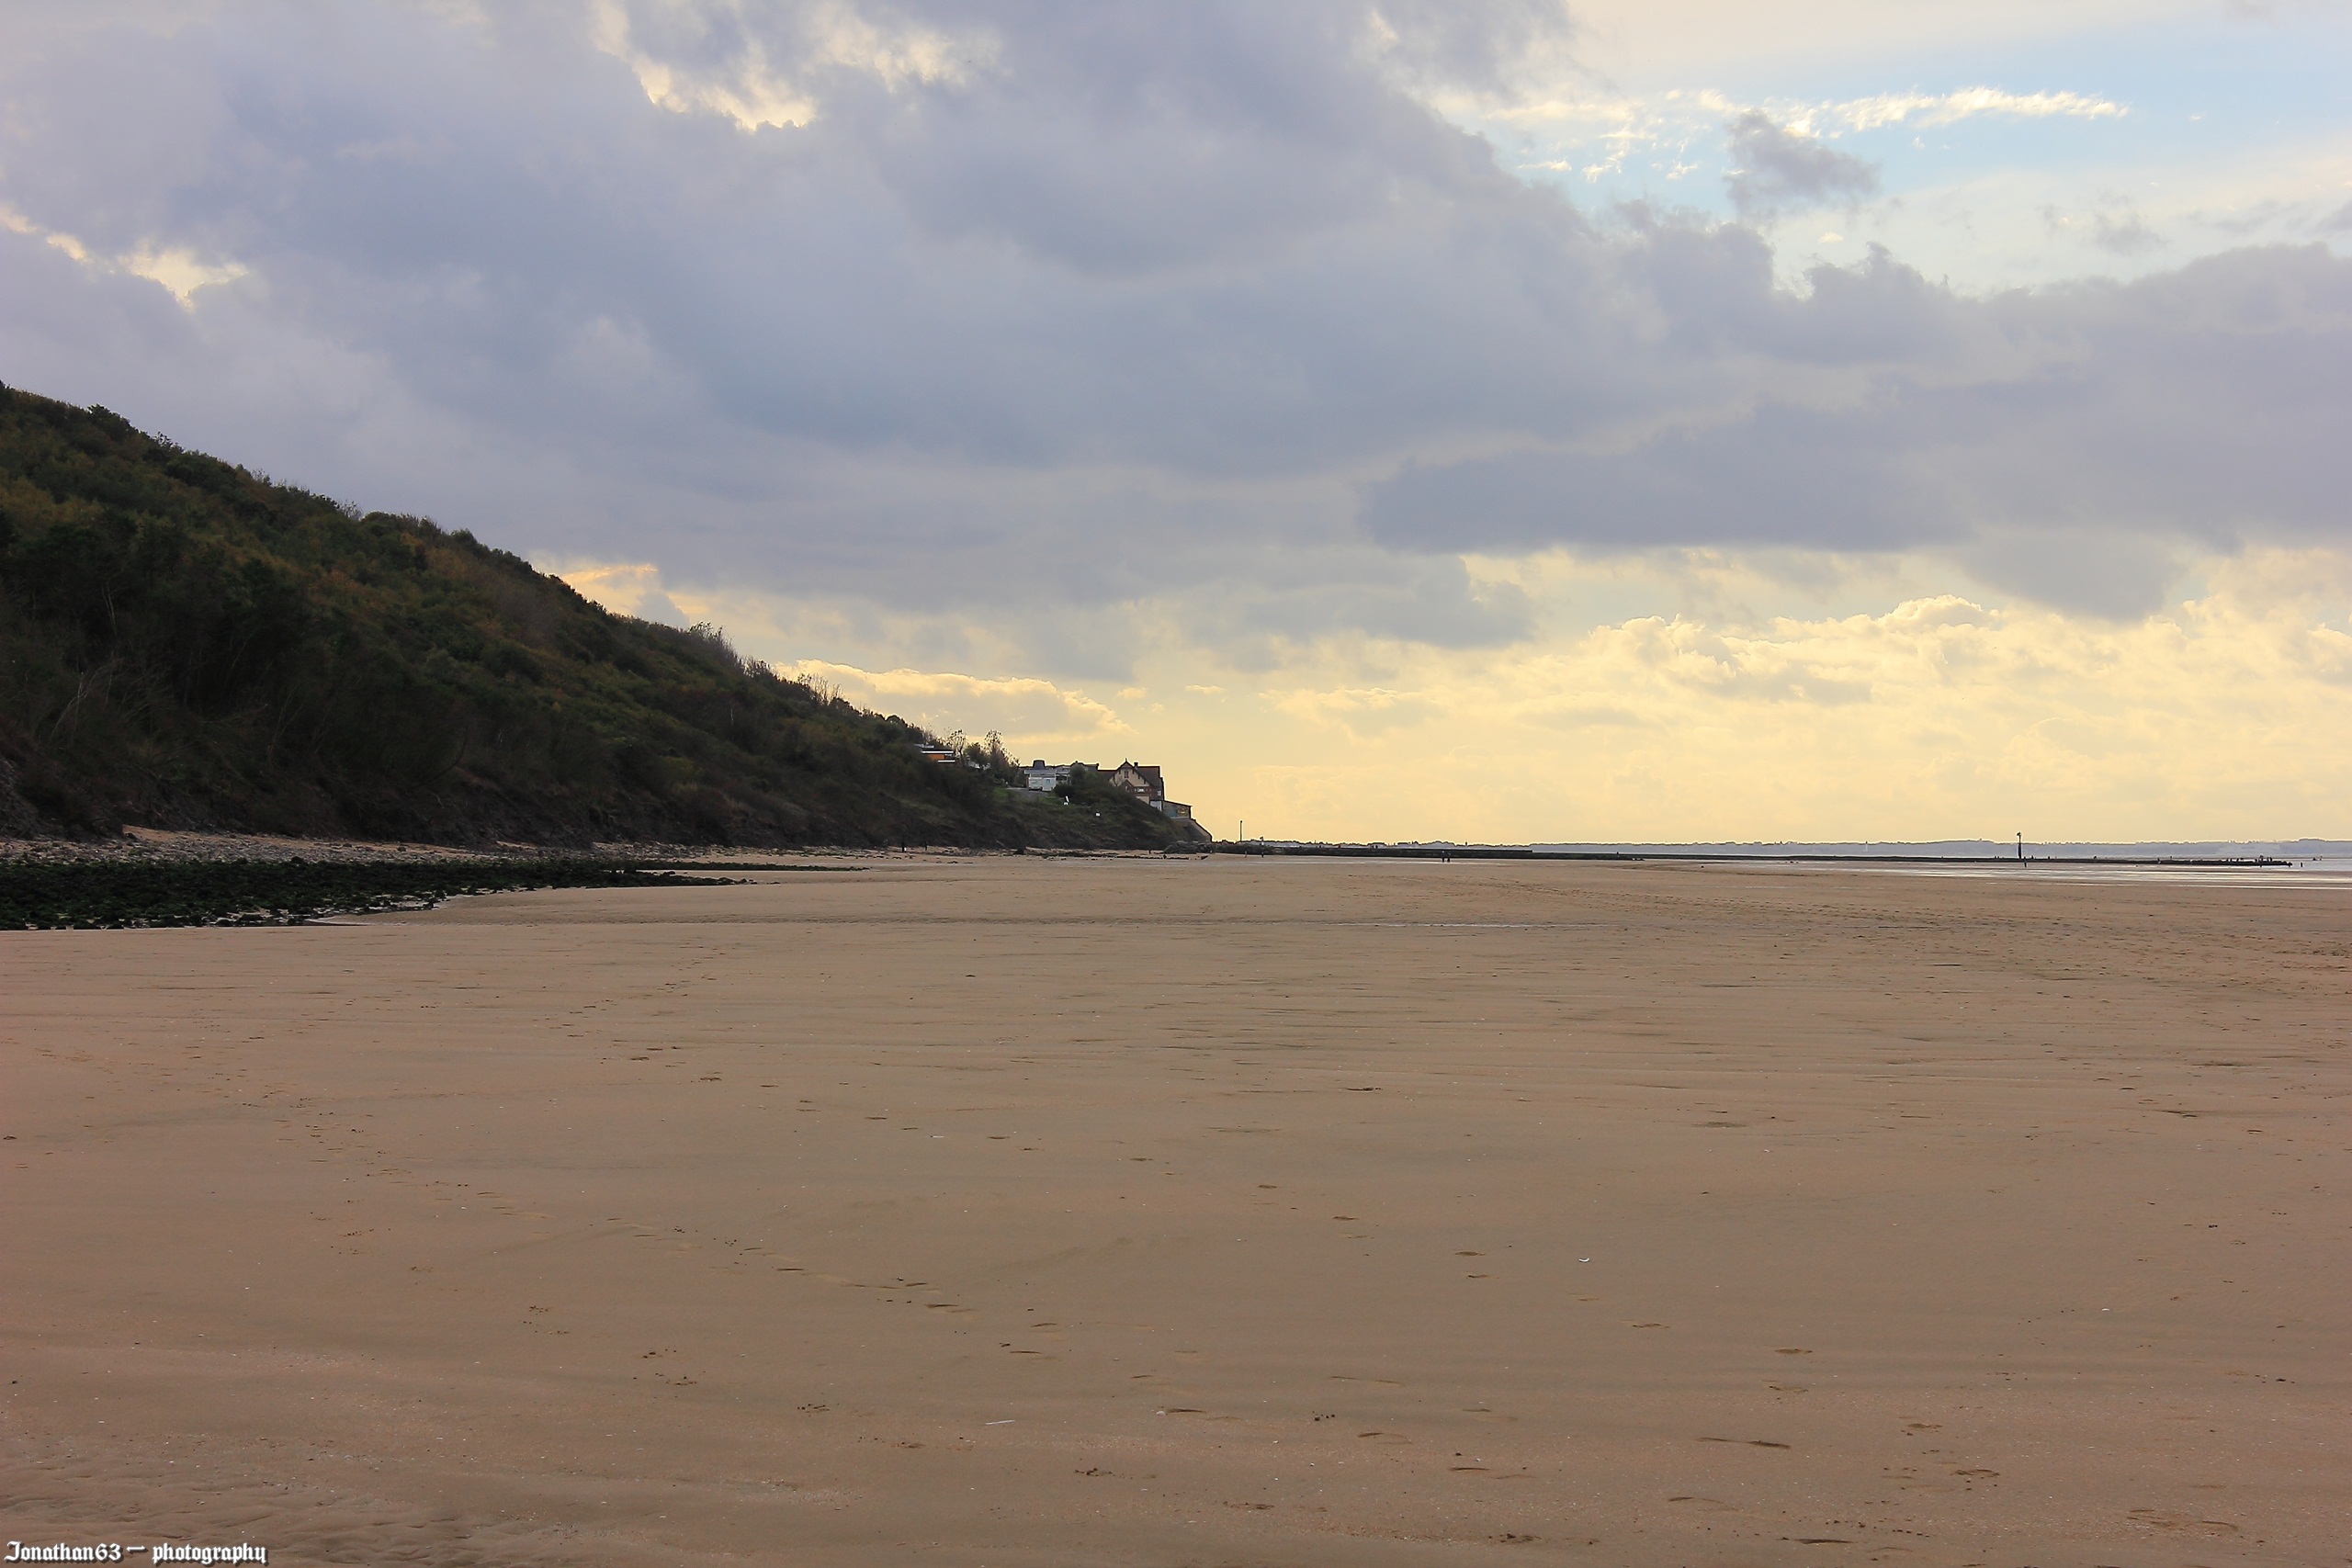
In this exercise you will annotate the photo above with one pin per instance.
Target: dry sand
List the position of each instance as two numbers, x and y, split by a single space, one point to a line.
1024 1212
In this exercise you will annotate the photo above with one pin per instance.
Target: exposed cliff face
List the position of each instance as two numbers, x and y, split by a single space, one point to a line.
184 644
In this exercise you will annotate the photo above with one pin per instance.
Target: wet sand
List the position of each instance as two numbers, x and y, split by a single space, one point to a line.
1024 1212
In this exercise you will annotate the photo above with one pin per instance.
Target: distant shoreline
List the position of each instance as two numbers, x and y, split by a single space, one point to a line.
151 846
2164 856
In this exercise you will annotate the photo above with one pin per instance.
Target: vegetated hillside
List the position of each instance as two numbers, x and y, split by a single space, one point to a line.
185 644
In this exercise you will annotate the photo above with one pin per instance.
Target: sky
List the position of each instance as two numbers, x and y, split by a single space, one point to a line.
1486 420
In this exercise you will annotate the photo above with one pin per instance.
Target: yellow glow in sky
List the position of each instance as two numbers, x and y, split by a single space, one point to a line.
2227 715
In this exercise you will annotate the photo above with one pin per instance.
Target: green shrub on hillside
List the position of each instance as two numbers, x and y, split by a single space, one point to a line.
184 643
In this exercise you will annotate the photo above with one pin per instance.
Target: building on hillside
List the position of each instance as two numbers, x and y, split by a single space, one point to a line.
1142 780
1047 777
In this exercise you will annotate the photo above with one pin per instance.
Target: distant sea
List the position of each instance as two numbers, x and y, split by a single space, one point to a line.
1975 849
2318 855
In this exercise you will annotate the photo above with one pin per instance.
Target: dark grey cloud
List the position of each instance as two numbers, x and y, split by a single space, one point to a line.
1058 309
1444 42
1203 236
2119 421
1781 169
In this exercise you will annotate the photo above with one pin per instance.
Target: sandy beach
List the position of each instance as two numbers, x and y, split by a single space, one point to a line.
1021 1211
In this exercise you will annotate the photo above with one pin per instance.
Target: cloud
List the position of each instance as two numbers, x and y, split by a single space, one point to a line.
180 270
633 589
1030 712
2125 236
2220 716
2120 232
999 337
1781 168
1441 47
1362 713
768 64
1567 120
2190 406
1950 109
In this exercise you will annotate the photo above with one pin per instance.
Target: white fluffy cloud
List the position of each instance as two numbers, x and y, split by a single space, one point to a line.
770 64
